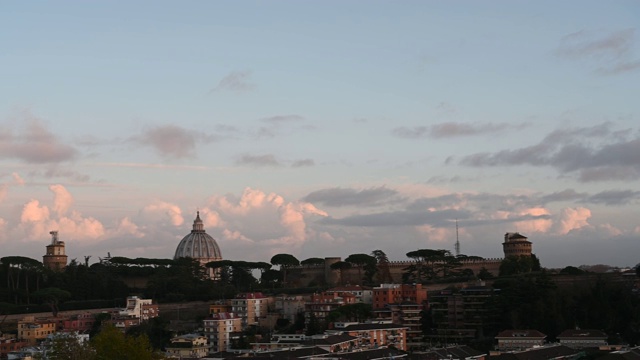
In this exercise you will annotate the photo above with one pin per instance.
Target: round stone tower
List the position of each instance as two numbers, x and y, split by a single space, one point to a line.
516 244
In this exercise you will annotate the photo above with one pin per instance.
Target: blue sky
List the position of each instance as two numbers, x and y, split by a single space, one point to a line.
321 128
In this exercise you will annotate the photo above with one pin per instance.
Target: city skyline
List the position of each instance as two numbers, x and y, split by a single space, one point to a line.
321 128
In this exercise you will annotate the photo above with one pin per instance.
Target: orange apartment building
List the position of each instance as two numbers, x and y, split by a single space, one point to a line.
220 329
398 293
32 331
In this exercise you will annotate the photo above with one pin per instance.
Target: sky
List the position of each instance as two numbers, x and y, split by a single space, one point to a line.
321 128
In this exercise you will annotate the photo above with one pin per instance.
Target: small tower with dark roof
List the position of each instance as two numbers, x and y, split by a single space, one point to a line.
55 259
516 244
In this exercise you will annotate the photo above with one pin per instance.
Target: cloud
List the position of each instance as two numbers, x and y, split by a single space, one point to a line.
440 218
281 124
34 144
303 163
283 119
453 129
237 81
62 200
126 227
595 153
264 221
611 53
172 141
164 210
37 220
17 179
416 132
258 160
338 197
614 197
572 219
564 195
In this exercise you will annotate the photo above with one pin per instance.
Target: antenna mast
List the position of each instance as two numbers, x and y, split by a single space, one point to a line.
457 240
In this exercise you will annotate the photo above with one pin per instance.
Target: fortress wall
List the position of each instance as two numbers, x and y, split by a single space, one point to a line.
323 274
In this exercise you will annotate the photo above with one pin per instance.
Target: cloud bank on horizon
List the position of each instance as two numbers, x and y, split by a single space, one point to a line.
298 136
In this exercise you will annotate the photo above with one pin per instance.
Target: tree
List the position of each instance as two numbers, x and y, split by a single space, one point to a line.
363 261
514 265
312 261
384 274
66 346
484 274
53 297
430 263
285 261
571 270
340 266
111 344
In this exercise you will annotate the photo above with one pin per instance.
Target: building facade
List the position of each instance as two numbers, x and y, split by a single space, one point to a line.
220 330
250 307
33 331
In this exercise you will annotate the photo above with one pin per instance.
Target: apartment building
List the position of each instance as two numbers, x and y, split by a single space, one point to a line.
374 335
398 293
187 346
220 329
33 331
250 307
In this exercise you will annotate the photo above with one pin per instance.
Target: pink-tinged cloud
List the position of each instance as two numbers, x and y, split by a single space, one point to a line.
161 210
572 219
80 228
32 212
265 220
17 179
125 227
62 199
211 219
539 222
36 221
236 236
251 199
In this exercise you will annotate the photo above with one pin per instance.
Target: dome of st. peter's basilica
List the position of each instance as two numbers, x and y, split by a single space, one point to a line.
199 245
